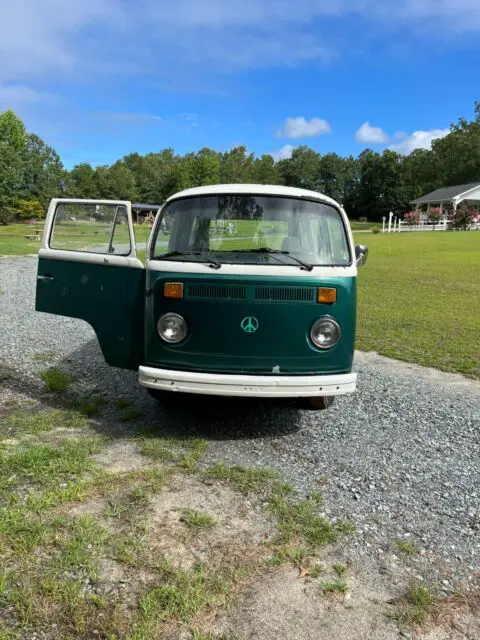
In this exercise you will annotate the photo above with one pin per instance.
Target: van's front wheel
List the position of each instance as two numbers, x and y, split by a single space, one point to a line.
319 403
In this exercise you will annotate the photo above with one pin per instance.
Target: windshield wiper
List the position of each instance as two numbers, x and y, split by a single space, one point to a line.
172 254
304 265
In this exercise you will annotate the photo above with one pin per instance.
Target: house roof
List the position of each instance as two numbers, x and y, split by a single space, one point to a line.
447 193
253 189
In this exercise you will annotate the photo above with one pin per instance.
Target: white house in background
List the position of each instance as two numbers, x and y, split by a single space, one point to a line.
448 198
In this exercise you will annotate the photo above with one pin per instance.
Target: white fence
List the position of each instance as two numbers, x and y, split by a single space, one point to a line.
395 225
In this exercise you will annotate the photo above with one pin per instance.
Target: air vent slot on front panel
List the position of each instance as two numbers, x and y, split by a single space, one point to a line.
213 291
284 294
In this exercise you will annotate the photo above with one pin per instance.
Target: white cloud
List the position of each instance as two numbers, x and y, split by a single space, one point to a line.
126 117
83 39
283 153
299 127
419 140
14 95
371 135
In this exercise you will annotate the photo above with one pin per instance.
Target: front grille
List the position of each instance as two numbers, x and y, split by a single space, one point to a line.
214 291
285 294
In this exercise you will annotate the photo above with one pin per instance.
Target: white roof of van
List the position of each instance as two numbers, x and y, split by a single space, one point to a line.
253 189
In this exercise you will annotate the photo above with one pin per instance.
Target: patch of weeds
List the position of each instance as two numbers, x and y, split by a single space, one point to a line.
345 527
130 414
55 379
244 479
340 569
122 404
316 570
196 449
80 548
130 548
406 547
300 520
157 449
115 509
36 422
42 357
196 521
75 491
336 586
295 554
44 463
20 531
88 407
414 607
8 634
182 595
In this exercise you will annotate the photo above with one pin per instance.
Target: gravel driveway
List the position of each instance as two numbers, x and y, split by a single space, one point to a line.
400 458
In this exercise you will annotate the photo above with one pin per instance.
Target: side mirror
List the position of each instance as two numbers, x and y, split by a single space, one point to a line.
361 254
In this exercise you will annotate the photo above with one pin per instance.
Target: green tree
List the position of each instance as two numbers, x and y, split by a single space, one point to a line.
331 176
302 169
7 215
265 171
458 153
381 187
115 183
13 146
44 175
236 166
81 181
30 210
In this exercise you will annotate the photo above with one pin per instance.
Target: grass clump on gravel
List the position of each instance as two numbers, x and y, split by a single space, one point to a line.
405 547
414 607
55 380
196 521
34 422
243 479
44 464
186 453
184 595
336 586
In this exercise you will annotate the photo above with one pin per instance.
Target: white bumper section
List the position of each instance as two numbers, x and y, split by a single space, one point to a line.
242 385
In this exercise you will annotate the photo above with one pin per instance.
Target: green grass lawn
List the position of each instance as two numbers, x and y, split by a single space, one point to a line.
419 299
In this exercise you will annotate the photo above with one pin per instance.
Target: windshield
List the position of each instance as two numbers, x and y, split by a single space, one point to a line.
245 229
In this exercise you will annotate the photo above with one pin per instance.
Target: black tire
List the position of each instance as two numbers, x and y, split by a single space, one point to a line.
320 403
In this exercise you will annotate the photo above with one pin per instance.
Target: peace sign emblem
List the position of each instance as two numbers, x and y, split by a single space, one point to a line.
249 324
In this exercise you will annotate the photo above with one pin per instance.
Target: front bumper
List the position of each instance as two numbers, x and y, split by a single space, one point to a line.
243 385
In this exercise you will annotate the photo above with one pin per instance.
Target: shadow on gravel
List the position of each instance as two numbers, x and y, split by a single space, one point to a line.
184 416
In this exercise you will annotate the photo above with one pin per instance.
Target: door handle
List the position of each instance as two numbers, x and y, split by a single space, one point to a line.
47 276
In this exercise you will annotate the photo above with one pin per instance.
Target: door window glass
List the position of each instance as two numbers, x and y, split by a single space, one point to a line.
93 228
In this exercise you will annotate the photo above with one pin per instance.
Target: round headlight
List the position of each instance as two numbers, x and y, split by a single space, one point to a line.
325 333
172 328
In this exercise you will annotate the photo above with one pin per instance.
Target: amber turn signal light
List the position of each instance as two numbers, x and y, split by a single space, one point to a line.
173 290
326 295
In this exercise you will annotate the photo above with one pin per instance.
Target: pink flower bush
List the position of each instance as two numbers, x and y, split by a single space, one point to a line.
412 217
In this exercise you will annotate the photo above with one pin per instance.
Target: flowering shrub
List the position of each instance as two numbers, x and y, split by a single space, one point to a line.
434 215
412 217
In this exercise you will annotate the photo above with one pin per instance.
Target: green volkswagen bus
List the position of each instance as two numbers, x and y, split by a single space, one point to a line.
241 290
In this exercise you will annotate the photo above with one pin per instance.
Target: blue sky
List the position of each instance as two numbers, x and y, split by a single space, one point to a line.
100 78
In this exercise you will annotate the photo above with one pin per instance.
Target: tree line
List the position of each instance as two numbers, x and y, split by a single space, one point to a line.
370 185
